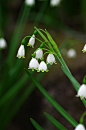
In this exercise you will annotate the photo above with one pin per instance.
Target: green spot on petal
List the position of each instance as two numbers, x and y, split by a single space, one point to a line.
47 70
37 58
46 62
28 44
81 97
42 70
50 63
32 68
83 51
55 62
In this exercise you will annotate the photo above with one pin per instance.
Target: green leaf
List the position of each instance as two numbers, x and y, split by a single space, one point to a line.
74 82
55 122
53 43
36 125
72 79
51 100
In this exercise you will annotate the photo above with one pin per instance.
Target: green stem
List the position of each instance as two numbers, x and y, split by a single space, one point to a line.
52 101
65 64
82 117
42 30
45 53
48 50
48 44
35 38
60 60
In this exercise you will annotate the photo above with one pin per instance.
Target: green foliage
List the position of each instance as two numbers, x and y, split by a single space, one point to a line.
51 100
36 125
55 122
12 78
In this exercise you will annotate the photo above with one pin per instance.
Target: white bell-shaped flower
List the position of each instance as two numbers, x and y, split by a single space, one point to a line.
42 67
80 127
71 53
82 91
21 52
54 2
39 53
50 59
29 2
33 64
84 49
31 41
3 43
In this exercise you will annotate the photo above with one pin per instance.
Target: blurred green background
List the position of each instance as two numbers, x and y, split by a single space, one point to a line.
20 100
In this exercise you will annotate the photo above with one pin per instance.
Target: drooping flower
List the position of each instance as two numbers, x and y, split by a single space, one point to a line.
71 53
42 67
29 2
84 49
82 91
39 53
54 2
21 52
3 43
50 59
33 64
31 41
80 127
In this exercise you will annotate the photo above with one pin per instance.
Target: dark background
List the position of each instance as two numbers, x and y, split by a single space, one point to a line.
65 22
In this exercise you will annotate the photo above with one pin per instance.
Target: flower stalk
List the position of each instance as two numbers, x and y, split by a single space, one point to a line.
53 43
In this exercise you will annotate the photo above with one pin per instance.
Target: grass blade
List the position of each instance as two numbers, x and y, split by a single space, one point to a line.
36 125
51 100
55 122
74 82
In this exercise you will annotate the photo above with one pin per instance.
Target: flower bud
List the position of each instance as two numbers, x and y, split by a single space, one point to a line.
23 42
34 55
42 45
35 32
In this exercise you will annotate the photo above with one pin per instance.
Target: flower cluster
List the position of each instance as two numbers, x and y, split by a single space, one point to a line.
37 61
37 55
